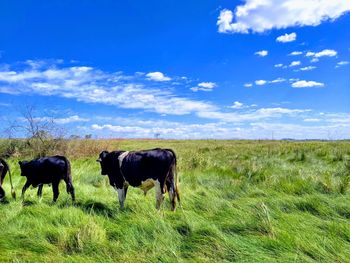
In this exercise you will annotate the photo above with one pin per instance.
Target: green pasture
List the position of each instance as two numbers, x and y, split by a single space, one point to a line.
242 201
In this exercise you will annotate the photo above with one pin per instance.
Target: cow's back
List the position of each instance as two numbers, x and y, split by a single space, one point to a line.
47 169
140 166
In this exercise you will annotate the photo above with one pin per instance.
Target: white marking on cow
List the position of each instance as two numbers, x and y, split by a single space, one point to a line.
121 196
121 158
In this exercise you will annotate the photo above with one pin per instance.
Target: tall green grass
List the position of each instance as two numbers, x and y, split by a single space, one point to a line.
245 201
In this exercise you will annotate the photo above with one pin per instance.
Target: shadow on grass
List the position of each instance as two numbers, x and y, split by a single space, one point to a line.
28 203
99 208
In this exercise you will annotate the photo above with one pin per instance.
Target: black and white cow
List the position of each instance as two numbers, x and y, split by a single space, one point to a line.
47 170
144 169
4 168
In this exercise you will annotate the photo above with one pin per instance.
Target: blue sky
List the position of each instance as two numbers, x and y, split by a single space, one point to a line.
184 69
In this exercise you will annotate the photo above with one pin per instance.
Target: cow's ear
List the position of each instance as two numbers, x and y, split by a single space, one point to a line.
104 154
22 163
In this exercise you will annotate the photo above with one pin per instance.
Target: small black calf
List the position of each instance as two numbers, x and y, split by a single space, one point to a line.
47 170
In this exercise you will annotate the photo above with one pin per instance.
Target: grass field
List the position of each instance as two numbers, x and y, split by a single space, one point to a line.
245 201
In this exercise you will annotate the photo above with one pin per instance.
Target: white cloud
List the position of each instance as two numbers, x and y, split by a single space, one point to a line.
278 65
342 63
157 76
70 119
91 85
207 85
262 53
310 54
272 111
278 80
260 82
204 86
287 38
295 53
248 85
306 84
237 105
307 68
294 63
260 16
251 115
312 120
2 104
324 53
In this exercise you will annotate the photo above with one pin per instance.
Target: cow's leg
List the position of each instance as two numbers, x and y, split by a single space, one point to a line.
25 187
2 192
1 175
70 188
40 191
125 190
121 196
172 195
72 192
159 193
55 190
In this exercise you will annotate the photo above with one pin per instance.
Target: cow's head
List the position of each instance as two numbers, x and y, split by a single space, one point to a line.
104 162
24 168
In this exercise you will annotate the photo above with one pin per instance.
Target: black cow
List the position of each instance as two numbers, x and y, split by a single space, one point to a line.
4 168
143 169
47 170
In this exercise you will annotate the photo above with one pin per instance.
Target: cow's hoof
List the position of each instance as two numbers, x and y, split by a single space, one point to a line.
3 200
27 203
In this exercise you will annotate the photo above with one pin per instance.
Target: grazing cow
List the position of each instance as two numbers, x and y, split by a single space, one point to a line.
47 170
143 169
4 168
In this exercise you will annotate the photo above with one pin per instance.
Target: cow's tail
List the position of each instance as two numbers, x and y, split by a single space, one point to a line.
7 168
177 191
176 176
68 178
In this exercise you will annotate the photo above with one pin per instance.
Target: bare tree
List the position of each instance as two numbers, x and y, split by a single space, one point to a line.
41 134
